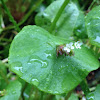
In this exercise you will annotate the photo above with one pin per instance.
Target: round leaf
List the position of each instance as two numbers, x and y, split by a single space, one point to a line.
94 95
93 25
13 91
33 57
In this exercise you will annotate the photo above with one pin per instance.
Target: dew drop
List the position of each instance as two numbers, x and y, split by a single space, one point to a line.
17 66
98 17
35 82
88 24
50 91
79 31
48 55
29 63
56 92
45 14
43 63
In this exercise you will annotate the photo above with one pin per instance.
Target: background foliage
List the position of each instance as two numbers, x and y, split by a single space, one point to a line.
30 31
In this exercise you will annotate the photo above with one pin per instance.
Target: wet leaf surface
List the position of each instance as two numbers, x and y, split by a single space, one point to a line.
33 57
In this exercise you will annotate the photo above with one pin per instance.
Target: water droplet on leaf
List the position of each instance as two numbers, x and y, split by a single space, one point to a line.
35 82
17 66
38 61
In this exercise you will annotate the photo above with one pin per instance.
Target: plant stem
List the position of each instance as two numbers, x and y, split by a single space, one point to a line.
49 97
23 89
5 60
84 87
5 39
10 16
91 5
53 25
42 93
31 94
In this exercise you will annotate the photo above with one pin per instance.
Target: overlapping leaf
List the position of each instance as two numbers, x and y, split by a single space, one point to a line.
12 92
93 25
94 95
73 97
65 24
80 29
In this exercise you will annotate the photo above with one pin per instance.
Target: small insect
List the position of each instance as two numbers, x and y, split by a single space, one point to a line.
60 51
68 49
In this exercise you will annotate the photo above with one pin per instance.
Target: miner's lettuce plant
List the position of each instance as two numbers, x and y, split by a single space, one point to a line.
35 58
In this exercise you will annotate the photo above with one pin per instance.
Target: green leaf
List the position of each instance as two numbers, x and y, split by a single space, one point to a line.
33 57
3 73
29 89
65 24
73 97
93 25
80 29
31 92
94 95
3 68
13 91
77 3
